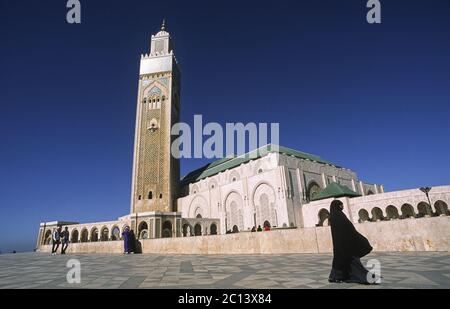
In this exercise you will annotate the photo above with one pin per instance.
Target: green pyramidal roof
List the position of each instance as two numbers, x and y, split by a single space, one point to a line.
334 190
229 163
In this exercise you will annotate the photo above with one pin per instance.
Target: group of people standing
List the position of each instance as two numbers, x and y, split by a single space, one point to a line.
260 229
129 241
60 237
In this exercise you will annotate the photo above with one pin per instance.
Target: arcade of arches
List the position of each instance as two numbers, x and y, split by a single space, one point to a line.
391 212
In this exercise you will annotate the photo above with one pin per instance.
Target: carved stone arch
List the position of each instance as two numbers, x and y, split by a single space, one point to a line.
104 233
213 228
264 204
115 232
94 234
407 211
323 217
212 184
84 235
377 214
234 210
74 235
441 208
124 226
260 167
312 189
392 212
195 189
363 215
154 87
234 176
424 210
199 202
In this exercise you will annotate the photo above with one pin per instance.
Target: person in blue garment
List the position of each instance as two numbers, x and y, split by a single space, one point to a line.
126 240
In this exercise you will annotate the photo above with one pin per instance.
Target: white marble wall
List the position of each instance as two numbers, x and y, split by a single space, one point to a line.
398 200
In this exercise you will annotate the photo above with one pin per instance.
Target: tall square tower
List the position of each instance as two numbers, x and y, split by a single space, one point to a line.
156 172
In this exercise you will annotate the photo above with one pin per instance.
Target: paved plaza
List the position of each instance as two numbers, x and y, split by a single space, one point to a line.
37 270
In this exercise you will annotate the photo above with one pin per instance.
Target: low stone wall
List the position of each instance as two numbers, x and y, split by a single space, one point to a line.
426 234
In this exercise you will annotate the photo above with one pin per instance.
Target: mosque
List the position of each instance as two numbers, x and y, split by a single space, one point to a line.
275 187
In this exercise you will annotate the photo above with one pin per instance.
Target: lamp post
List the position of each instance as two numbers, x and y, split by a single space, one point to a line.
427 190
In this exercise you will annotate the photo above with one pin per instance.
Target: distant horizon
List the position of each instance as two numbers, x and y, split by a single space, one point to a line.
371 98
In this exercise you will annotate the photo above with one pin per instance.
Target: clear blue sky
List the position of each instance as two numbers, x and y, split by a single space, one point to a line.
373 98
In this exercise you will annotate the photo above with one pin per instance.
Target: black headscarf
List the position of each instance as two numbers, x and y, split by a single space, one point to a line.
347 242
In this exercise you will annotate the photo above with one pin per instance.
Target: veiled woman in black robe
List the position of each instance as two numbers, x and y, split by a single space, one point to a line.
348 247
132 242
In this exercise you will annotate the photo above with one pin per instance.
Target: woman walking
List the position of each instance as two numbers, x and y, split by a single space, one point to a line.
348 247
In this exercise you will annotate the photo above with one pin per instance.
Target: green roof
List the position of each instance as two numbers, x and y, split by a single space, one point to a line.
229 163
334 190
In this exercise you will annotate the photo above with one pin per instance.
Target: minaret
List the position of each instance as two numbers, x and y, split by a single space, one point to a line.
155 172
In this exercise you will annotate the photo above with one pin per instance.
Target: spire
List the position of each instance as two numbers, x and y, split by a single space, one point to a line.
163 26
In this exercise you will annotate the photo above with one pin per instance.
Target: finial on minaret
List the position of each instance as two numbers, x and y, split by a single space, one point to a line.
163 26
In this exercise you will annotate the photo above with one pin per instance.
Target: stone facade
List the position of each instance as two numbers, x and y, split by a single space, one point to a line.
425 234
271 189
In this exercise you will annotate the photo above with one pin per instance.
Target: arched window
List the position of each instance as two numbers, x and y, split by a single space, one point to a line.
213 229
198 230
392 212
424 210
377 214
105 234
74 236
363 216
441 208
142 229
313 189
199 216
323 216
187 230
47 238
94 234
84 235
407 211
150 195
167 229
115 234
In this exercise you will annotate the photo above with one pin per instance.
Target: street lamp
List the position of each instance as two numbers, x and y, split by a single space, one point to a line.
427 190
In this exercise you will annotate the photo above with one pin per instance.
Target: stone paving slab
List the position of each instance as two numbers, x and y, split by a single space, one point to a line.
428 270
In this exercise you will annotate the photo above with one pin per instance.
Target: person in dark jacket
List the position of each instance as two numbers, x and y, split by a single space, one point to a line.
348 247
64 240
56 238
